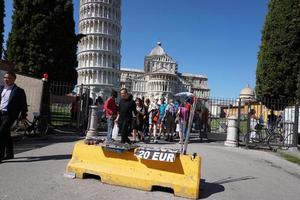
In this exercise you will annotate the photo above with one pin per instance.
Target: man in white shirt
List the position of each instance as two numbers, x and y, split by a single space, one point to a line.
12 104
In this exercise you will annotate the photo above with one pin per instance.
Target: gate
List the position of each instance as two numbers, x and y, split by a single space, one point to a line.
213 114
69 105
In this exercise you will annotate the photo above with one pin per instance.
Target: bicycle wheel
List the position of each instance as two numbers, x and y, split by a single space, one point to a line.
288 141
29 128
20 128
275 142
43 126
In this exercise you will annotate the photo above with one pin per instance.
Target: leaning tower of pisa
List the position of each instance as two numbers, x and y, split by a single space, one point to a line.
99 49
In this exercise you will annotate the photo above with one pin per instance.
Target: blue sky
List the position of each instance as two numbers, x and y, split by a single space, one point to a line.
218 38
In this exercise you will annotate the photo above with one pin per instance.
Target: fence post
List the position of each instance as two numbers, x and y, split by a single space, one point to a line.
92 123
232 132
239 122
248 123
45 107
296 121
79 114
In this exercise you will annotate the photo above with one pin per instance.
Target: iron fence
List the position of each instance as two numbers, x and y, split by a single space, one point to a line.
69 105
69 108
279 115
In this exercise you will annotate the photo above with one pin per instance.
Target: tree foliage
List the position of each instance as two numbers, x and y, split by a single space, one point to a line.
43 39
2 15
278 67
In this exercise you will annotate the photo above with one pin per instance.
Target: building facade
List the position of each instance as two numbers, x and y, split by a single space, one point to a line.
99 59
160 78
99 48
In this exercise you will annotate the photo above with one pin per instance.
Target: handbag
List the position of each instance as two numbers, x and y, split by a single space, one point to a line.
115 132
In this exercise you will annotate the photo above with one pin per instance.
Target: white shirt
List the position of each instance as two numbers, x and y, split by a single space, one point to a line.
5 97
153 106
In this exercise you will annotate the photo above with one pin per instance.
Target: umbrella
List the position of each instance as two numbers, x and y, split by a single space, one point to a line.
184 94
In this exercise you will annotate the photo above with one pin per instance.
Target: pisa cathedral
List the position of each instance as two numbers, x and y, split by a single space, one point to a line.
99 59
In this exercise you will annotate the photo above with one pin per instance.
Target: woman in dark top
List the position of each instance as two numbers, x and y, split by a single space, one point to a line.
138 120
126 108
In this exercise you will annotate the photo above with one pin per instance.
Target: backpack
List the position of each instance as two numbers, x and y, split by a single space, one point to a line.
171 111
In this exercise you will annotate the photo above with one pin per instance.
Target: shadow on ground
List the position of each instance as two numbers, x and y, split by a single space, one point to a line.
30 143
38 158
207 189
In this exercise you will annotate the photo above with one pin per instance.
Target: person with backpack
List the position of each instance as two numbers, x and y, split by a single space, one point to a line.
183 115
169 116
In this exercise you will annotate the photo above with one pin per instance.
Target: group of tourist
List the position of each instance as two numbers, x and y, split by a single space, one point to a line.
143 119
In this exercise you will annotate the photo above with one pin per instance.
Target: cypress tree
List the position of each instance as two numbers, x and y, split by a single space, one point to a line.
2 15
43 39
278 64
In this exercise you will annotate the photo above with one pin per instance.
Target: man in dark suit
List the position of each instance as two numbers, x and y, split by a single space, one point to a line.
12 103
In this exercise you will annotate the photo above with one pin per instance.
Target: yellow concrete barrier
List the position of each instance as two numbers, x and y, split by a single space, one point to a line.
125 169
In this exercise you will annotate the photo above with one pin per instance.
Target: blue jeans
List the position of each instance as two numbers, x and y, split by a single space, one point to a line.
110 126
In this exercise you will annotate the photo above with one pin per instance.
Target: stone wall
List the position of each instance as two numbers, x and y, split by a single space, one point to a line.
33 88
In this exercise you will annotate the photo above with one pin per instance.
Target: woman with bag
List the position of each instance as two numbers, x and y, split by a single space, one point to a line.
153 118
138 121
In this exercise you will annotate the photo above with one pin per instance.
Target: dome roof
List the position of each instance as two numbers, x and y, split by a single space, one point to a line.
247 92
157 51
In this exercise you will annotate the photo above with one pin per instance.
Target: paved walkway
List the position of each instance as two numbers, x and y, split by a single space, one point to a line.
38 170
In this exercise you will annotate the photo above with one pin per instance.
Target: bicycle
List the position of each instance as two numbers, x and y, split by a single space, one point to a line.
270 137
287 133
38 126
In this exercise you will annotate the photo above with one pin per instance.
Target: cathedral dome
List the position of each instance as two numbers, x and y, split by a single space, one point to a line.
157 51
247 93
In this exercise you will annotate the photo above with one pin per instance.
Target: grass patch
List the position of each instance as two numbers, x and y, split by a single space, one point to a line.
290 158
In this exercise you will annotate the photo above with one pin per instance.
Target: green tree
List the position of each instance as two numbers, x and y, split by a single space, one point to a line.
2 15
43 39
278 66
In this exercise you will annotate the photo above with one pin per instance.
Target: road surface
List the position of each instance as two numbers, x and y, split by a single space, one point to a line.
38 170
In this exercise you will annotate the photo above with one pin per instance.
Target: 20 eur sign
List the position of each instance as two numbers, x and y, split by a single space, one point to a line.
156 154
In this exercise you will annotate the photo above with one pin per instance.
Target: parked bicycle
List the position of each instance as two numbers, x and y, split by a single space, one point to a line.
287 132
262 135
38 126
